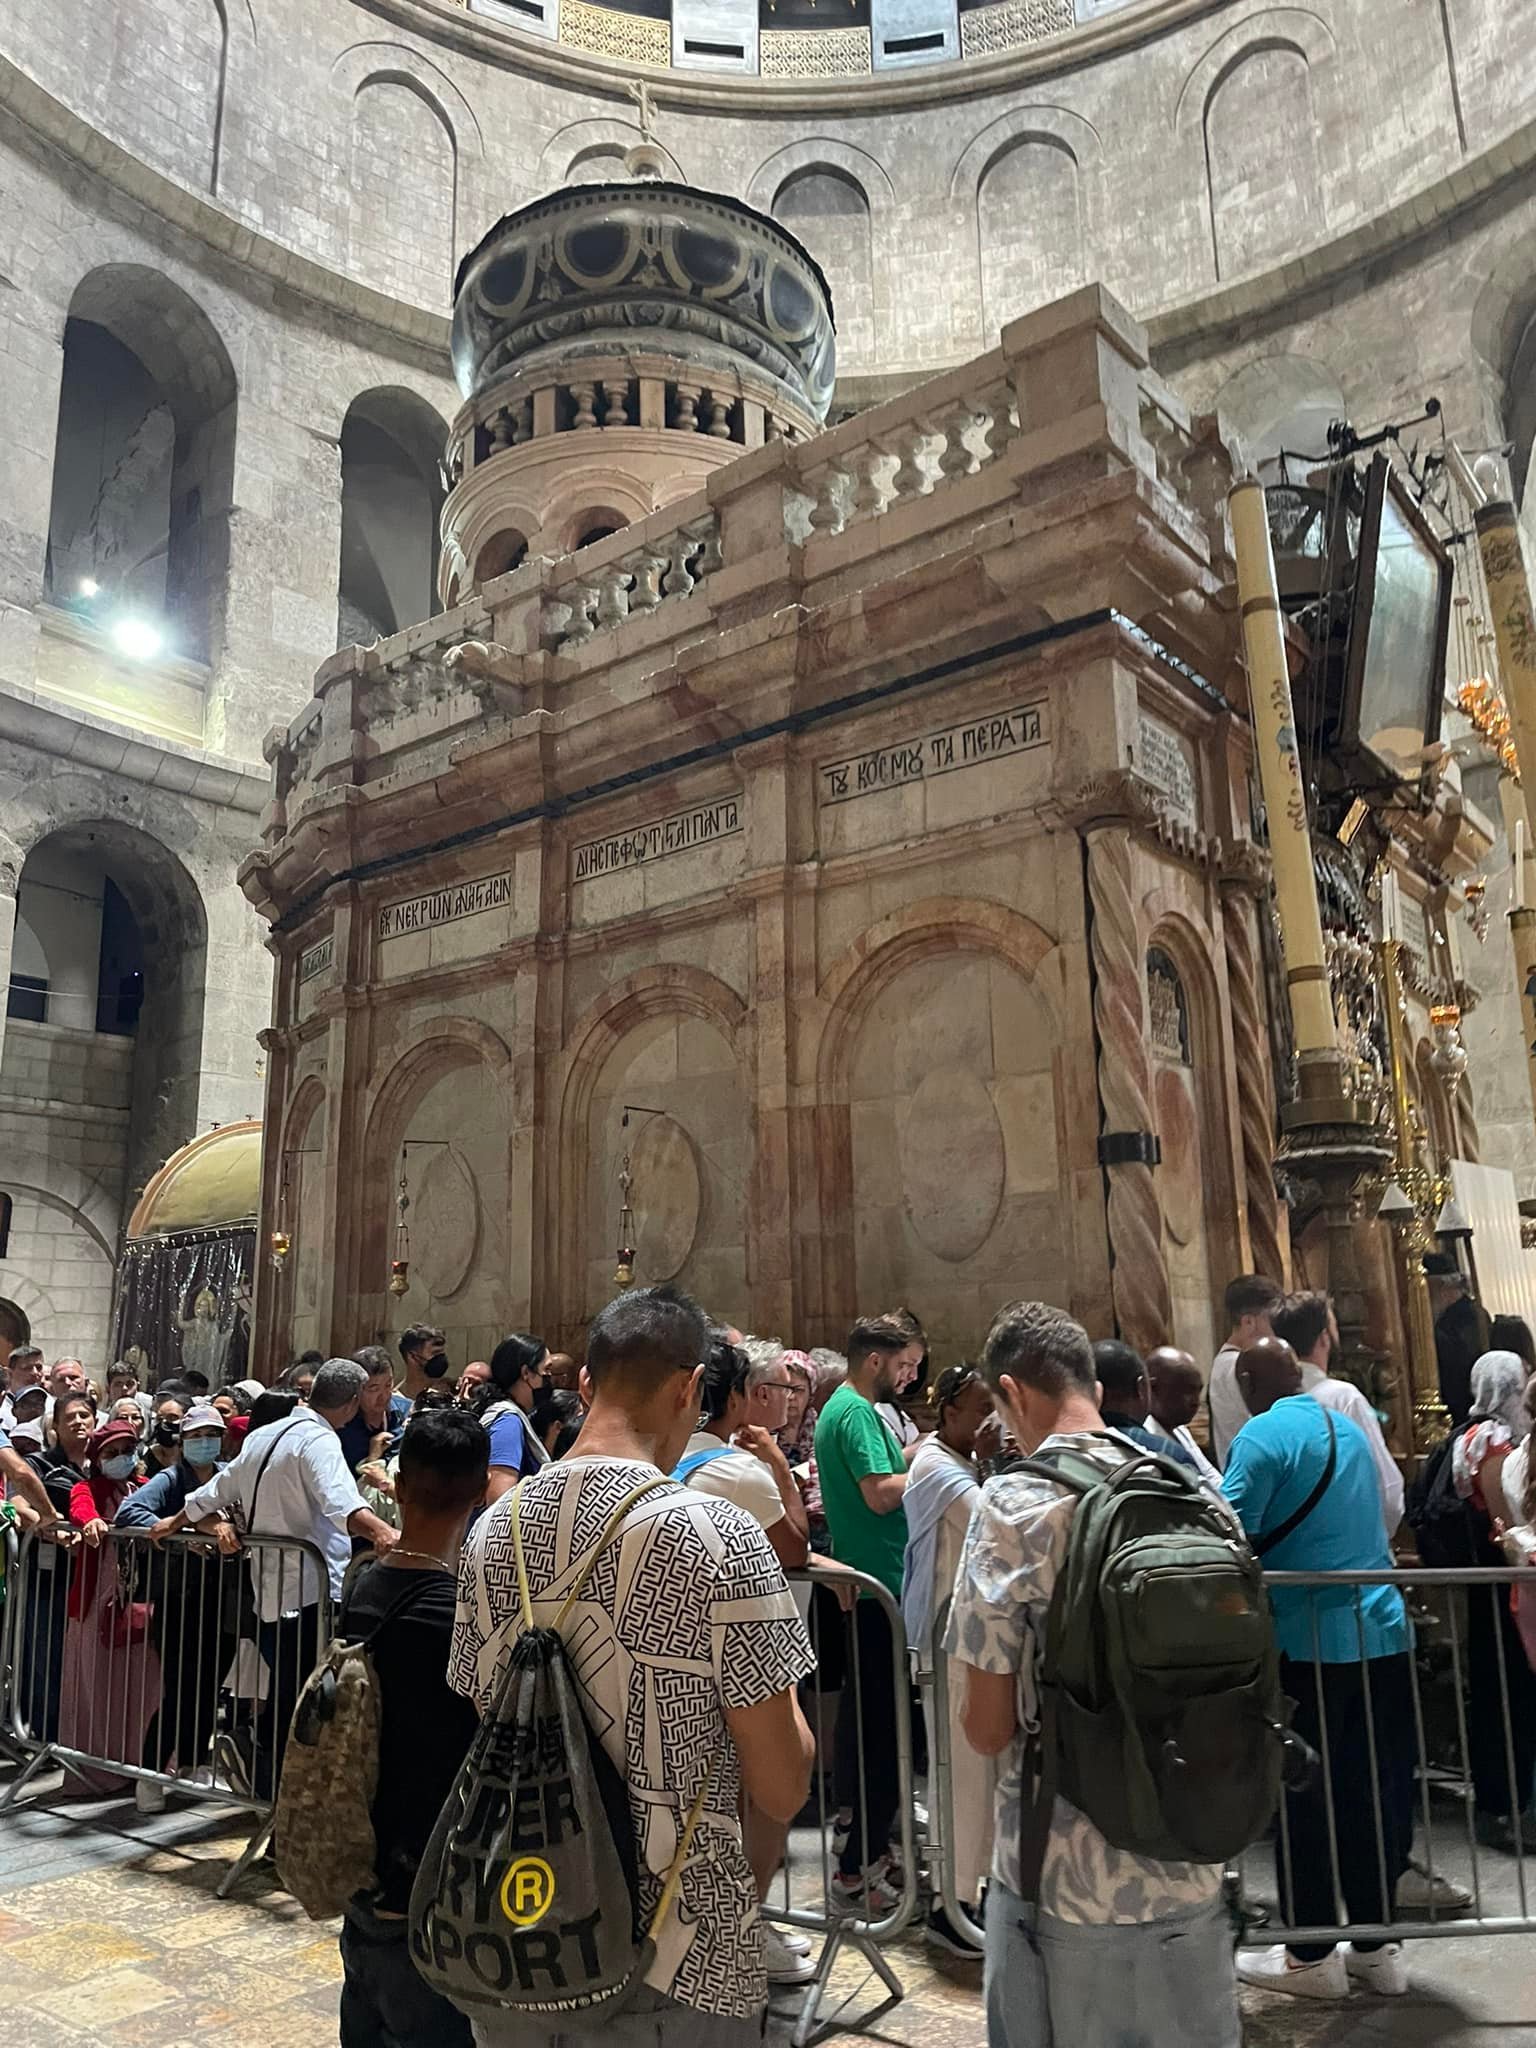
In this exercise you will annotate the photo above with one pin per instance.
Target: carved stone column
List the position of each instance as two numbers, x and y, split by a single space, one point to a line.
1242 891
1106 814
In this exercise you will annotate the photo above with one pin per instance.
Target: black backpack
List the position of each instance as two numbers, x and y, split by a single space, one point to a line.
1450 1531
527 1898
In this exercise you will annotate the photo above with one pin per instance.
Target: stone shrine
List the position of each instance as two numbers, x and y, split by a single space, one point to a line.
848 858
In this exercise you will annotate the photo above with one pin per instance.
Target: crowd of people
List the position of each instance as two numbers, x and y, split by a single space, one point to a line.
713 1679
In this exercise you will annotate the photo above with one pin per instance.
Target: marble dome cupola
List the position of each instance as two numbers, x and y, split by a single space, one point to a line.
614 344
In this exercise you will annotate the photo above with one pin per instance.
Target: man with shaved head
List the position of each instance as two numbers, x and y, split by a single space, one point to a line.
1176 1387
1303 1481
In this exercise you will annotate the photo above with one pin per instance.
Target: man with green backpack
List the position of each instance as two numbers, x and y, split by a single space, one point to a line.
1119 1655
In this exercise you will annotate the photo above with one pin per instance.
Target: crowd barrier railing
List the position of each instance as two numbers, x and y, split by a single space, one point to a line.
1395 1821
1405 1821
865 1766
166 1663
942 1702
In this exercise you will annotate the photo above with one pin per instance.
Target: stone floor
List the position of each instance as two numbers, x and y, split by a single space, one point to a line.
111 1937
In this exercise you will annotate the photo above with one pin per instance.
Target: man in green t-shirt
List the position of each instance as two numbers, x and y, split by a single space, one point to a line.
863 1475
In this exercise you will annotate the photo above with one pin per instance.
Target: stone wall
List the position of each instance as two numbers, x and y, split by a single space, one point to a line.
281 189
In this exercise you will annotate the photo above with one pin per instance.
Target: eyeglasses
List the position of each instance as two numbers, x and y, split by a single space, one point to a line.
778 1386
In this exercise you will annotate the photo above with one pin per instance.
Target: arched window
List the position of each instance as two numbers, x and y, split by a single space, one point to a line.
143 474
391 497
500 554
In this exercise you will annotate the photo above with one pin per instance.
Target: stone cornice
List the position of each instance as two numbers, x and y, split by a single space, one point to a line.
245 247
29 719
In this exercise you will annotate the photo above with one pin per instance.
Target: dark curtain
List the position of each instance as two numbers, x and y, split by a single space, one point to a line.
184 1302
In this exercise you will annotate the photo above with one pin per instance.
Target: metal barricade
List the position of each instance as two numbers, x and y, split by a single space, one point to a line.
1408 1822
943 1702
169 1664
1395 1825
858 1638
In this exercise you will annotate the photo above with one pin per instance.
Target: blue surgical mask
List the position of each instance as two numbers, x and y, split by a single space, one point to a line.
119 1468
200 1450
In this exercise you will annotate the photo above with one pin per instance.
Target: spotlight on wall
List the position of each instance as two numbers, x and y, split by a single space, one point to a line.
137 638
88 587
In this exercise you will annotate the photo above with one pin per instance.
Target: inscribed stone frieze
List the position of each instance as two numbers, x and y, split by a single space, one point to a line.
638 845
931 754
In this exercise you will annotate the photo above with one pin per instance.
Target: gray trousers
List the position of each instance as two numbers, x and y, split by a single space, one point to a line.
651 2021
1158 1984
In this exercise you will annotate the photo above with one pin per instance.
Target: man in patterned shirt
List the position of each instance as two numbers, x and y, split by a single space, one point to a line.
688 1647
1112 1938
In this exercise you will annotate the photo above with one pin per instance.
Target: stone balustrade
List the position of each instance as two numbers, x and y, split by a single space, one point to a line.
629 391
617 579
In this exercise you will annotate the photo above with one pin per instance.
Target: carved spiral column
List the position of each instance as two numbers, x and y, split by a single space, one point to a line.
1255 1084
1139 1280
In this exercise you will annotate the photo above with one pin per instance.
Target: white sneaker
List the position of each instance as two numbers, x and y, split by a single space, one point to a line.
1271 1969
780 1961
870 1896
1383 1971
1426 1891
148 1797
797 1944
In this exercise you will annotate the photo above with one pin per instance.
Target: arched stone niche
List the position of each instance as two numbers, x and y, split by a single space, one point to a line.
690 1147
1185 1050
955 1144
444 1109
301 1176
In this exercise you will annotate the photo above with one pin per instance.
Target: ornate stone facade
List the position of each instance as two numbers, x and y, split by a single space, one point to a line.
770 893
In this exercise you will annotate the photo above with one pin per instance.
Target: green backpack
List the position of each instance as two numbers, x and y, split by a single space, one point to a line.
1161 1715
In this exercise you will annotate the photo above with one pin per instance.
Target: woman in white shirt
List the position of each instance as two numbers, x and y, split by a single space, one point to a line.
942 1488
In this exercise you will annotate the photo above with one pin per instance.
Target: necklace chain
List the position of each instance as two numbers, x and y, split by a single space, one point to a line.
426 1557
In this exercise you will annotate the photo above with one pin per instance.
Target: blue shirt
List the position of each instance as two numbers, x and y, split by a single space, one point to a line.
164 1493
1275 1461
356 1436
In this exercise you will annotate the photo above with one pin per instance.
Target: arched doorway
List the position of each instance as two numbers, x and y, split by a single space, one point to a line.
105 1024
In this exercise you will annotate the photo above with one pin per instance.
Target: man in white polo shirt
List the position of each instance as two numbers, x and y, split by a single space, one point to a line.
290 1479
1308 1324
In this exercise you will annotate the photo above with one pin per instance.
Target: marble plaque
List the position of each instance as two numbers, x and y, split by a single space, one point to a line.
316 958
444 906
1166 764
930 754
639 845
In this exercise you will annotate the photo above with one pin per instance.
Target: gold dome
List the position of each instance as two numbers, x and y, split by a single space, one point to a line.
214 1180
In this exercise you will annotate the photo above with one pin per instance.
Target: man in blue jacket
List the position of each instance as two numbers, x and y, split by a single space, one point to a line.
1303 1482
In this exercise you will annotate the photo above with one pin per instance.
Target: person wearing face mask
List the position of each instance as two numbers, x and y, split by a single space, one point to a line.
162 1447
48 1564
424 1354
111 1679
518 1375
183 1585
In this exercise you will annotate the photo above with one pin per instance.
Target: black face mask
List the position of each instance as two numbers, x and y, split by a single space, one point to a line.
165 1433
434 1368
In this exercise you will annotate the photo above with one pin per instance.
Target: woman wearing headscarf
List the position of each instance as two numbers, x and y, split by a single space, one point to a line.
1501 1727
111 1674
943 1486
